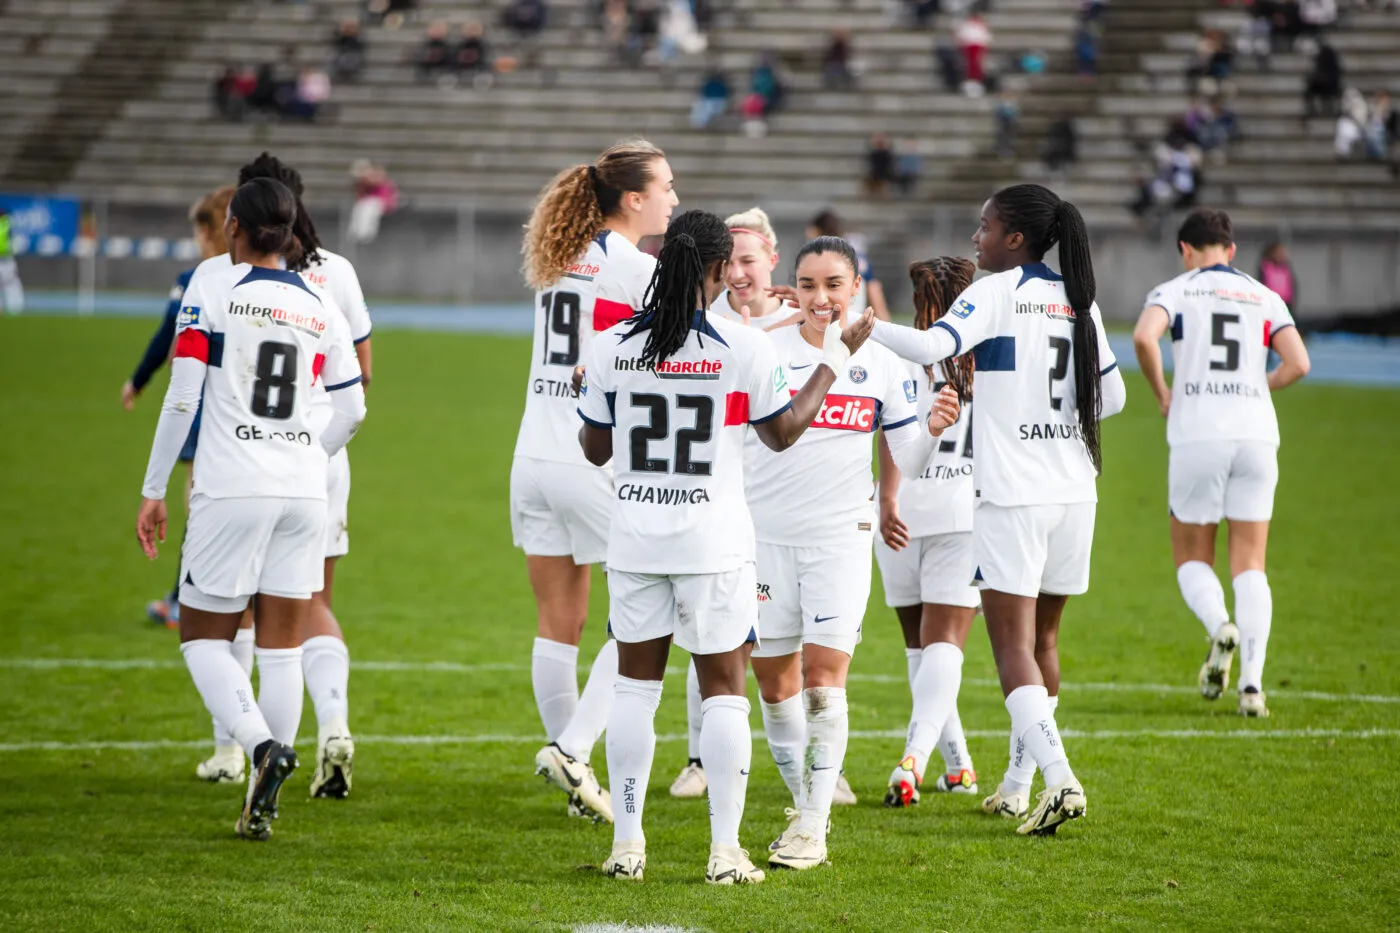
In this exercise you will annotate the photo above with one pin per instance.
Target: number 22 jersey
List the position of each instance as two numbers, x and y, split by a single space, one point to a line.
605 286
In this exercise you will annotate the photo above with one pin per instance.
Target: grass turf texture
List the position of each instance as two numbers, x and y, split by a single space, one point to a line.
1187 833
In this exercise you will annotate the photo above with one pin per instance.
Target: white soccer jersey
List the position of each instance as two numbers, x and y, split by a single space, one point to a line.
818 492
938 501
721 308
1222 324
678 431
271 341
604 287
333 274
1020 327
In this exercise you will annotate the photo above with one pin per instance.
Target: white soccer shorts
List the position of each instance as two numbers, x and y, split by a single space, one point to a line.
812 595
704 613
933 569
338 505
235 548
1026 550
1225 479
560 509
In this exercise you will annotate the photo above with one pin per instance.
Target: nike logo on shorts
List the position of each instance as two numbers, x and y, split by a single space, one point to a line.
820 619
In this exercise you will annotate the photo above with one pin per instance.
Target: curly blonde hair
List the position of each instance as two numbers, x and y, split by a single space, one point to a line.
937 284
575 205
208 215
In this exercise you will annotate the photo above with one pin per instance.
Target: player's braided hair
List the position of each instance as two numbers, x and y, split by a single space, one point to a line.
269 166
695 242
266 211
937 284
1043 218
575 205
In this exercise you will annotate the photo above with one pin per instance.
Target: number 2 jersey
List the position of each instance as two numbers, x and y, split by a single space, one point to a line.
271 341
1222 325
678 428
605 286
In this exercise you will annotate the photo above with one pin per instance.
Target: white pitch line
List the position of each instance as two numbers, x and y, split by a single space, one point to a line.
453 667
501 739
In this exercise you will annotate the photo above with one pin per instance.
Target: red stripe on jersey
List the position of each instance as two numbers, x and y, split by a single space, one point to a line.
607 313
736 408
317 362
193 344
1267 328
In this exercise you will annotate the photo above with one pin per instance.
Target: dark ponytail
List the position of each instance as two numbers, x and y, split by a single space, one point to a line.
266 211
831 244
269 166
1040 216
695 241
937 284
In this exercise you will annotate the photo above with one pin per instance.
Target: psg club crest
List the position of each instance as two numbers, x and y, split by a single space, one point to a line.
858 374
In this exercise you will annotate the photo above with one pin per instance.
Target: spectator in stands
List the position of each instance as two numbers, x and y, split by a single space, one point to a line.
767 83
1317 16
347 51
434 55
1211 64
836 61
974 38
470 58
909 166
1061 144
1351 123
617 26
712 101
388 13
526 18
921 11
268 92
1008 123
1378 127
880 170
1177 179
644 30
1086 51
232 90
948 62
679 33
1323 92
1276 273
1212 126
312 90
375 195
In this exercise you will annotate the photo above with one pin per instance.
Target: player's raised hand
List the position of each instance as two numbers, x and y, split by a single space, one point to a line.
785 292
780 320
745 314
150 526
892 529
945 411
129 395
855 334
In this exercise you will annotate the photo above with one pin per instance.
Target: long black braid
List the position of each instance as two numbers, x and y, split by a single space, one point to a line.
1043 218
269 166
695 241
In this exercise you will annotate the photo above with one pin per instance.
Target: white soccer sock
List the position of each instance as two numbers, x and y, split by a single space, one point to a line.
913 657
952 745
1054 703
631 746
554 673
226 690
1032 720
828 730
594 706
726 746
280 691
1020 767
325 663
1204 595
785 724
935 696
693 712
1254 612
242 650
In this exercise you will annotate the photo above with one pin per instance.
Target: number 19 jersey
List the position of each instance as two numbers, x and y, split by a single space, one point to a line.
605 286
268 339
678 428
1222 324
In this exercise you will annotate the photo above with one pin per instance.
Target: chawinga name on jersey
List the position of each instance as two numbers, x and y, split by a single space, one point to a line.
661 495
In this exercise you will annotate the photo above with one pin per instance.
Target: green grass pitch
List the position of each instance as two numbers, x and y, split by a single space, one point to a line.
1197 818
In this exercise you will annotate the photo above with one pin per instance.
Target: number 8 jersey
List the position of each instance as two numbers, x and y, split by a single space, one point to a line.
268 338
605 286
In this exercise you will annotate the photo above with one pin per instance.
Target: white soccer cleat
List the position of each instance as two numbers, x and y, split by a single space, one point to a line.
575 778
964 782
335 760
628 861
690 782
1012 806
904 785
799 851
1054 806
1214 677
1252 703
843 795
731 865
224 767
794 816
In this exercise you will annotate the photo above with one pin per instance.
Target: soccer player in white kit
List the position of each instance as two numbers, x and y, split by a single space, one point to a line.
674 390
581 255
325 657
256 340
1045 375
1224 438
924 550
813 521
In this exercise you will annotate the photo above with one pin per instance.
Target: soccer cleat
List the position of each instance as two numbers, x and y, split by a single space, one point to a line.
575 778
904 785
1252 703
163 612
964 782
731 865
1054 806
1215 672
691 781
801 851
794 816
225 766
628 861
334 764
1012 806
843 796
278 763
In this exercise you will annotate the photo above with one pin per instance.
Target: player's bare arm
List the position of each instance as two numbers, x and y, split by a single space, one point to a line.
1147 336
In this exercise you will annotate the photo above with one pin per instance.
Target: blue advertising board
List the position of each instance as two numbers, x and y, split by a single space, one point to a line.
40 225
